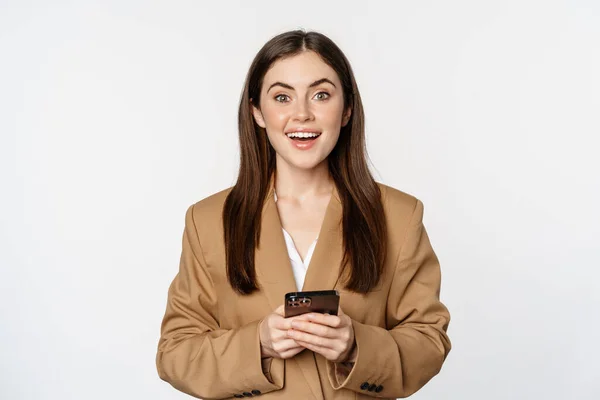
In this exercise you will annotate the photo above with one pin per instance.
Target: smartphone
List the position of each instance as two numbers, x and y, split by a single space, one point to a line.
321 301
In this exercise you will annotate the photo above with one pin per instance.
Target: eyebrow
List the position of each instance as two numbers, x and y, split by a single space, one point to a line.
315 83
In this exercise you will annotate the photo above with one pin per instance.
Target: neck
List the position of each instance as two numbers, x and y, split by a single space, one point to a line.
301 184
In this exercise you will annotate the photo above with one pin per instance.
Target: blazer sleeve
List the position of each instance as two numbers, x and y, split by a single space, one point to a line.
194 354
397 362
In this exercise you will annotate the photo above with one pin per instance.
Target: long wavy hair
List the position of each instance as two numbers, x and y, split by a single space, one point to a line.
364 224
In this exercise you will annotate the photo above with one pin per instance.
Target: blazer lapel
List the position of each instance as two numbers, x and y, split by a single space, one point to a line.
274 269
272 262
324 267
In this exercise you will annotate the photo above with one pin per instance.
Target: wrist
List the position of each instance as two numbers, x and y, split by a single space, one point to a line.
351 357
263 348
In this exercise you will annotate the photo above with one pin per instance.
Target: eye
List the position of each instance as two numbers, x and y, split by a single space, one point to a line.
322 96
281 98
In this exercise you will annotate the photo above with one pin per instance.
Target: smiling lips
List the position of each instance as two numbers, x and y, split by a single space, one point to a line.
303 139
302 133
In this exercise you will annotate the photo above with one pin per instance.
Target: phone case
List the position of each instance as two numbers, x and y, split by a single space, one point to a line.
321 301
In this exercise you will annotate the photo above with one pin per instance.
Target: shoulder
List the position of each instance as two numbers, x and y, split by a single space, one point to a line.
211 203
400 207
207 212
204 220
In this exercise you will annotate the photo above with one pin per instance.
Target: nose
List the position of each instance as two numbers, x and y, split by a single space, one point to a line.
302 111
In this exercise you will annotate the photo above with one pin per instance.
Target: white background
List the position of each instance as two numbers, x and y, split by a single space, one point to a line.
117 115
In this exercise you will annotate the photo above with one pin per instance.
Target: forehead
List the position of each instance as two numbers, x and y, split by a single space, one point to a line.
300 70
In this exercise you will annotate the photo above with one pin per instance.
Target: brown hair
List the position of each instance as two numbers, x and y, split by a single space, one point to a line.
364 225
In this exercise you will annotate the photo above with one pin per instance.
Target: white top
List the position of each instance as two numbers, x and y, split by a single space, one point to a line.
299 267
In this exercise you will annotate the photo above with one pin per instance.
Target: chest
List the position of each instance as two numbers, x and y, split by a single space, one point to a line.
302 222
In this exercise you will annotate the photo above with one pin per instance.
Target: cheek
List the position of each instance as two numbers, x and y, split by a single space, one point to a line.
274 116
332 140
331 114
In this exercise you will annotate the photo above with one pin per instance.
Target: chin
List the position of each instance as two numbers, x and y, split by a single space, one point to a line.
309 164
297 163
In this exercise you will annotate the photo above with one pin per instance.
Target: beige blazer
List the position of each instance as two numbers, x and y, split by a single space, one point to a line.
209 345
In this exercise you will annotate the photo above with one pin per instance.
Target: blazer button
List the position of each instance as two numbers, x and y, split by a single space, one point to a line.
371 388
364 386
256 392
378 388
238 396
247 394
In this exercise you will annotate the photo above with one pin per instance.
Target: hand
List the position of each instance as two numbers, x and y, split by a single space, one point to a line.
274 341
329 335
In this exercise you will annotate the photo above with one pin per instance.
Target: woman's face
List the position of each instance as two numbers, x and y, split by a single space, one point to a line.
301 94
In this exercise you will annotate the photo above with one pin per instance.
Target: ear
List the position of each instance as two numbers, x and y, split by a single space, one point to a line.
258 117
346 116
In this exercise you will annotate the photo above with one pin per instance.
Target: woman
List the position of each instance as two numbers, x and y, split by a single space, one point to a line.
304 196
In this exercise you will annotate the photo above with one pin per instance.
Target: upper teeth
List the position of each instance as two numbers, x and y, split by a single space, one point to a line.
302 134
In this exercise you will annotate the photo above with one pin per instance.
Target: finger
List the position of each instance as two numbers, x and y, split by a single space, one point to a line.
280 310
328 353
315 329
292 352
278 336
304 337
305 317
282 323
333 321
285 345
301 317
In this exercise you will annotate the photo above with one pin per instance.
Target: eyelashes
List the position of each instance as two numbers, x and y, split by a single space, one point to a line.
284 98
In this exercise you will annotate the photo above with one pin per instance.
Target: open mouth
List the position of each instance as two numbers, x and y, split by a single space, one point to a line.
303 136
